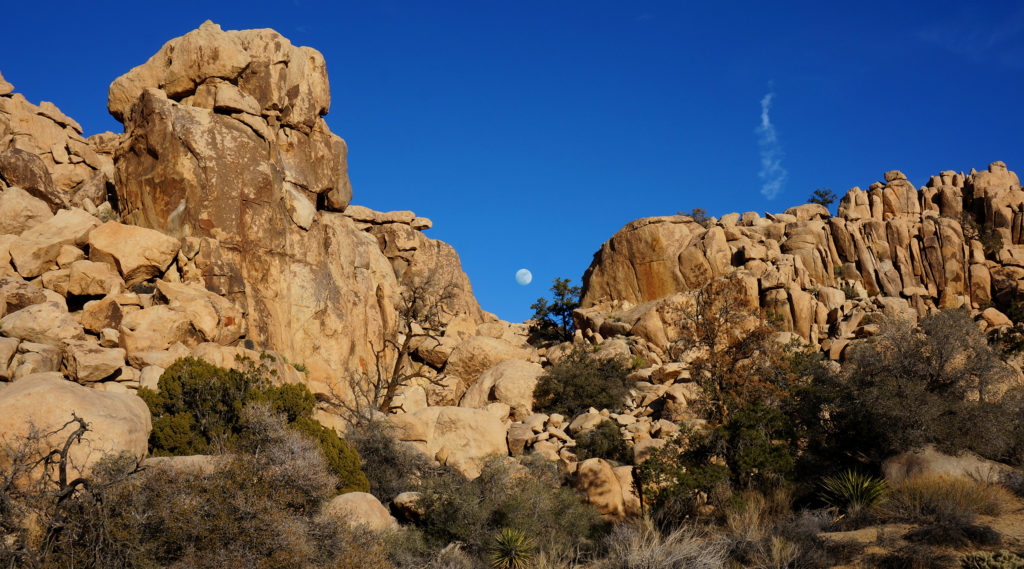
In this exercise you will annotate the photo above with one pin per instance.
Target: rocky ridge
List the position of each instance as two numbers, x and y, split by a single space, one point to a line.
893 249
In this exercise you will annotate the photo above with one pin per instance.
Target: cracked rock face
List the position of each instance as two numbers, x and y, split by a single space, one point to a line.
225 144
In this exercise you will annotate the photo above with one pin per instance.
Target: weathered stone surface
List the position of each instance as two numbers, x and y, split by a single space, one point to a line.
597 480
88 278
16 293
45 323
27 171
510 382
477 354
100 314
316 294
156 328
283 79
20 211
37 249
928 462
359 509
117 422
5 87
85 361
137 252
214 317
459 437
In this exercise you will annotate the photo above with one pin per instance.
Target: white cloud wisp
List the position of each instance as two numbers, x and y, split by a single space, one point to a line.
772 174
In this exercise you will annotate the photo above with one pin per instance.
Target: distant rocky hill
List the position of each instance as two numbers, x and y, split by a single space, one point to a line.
956 242
220 224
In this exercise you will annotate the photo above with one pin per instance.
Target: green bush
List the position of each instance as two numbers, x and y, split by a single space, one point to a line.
991 560
391 466
256 507
910 386
754 450
580 381
526 495
603 441
198 409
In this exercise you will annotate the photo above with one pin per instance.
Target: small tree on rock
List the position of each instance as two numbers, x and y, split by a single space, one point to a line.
552 321
823 196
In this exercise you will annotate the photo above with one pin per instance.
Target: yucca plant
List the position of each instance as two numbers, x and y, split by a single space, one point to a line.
513 549
852 491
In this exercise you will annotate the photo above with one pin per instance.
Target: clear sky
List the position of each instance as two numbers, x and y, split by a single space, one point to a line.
531 131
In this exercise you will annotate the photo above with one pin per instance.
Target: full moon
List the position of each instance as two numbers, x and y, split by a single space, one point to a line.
524 276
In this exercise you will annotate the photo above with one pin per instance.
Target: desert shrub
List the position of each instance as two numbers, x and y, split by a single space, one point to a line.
603 441
991 560
526 495
914 556
933 499
255 507
341 458
198 409
640 545
954 533
753 450
391 466
930 384
580 381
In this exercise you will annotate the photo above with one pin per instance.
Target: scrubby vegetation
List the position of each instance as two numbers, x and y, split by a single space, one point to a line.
579 380
257 506
198 409
603 441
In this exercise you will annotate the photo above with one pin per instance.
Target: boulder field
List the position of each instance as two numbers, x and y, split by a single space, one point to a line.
220 223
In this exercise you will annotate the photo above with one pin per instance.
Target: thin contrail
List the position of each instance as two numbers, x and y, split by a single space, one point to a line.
772 174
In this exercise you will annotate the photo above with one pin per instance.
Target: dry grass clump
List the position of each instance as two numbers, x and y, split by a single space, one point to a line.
639 545
934 498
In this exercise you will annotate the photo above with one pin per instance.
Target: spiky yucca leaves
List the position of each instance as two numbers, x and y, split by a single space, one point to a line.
513 549
852 491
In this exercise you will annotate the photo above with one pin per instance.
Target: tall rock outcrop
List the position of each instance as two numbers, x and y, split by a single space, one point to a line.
225 146
958 241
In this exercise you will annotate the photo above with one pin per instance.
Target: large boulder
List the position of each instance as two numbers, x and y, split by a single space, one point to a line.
213 316
927 462
27 171
262 66
85 361
359 509
596 478
476 355
137 252
20 211
45 323
511 382
37 249
117 421
459 437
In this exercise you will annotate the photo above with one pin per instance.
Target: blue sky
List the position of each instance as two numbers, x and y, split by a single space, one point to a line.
531 131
